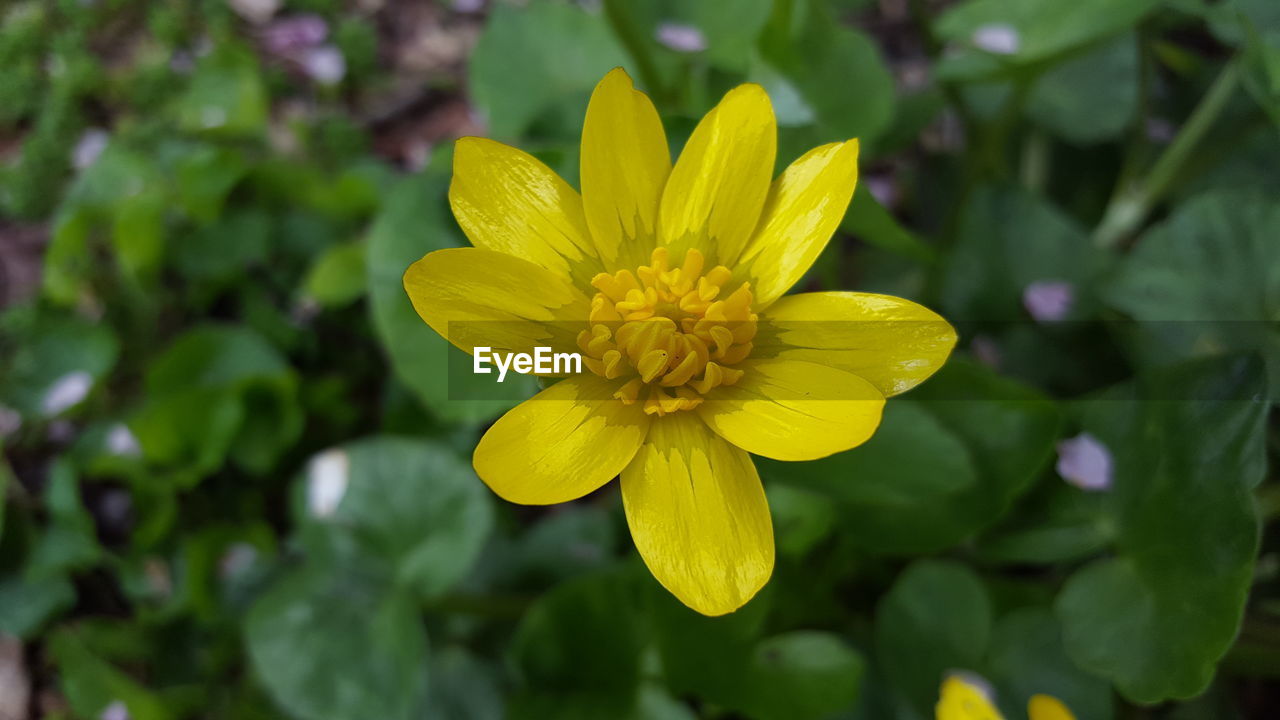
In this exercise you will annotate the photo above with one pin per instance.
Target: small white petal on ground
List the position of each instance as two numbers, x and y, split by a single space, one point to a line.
67 392
255 11
325 64
1085 462
122 442
681 37
89 147
327 482
115 711
997 38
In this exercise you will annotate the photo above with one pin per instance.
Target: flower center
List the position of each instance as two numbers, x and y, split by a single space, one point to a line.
674 328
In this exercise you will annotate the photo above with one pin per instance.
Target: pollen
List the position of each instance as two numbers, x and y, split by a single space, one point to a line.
675 332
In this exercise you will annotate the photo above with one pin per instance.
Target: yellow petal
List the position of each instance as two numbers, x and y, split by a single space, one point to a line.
625 164
698 515
560 444
804 206
794 410
962 700
507 200
894 344
1047 707
476 297
717 189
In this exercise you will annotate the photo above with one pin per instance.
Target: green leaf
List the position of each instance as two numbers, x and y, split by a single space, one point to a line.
1188 444
463 687
657 704
1069 101
205 176
944 464
1008 427
1027 658
137 231
311 190
1008 239
935 619
577 651
1057 523
408 228
338 276
125 192
803 674
1244 166
353 193
333 644
896 492
725 662
26 604
1262 67
1206 282
55 355
69 541
1254 26
1230 20
801 518
1041 30
91 684
411 505
573 540
563 50
214 356
221 251
870 222
709 657
222 568
836 69
218 389
226 95
67 260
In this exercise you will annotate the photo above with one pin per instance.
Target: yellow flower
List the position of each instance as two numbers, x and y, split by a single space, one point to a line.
963 699
669 281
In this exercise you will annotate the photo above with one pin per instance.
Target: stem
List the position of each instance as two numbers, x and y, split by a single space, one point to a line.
1035 160
1132 201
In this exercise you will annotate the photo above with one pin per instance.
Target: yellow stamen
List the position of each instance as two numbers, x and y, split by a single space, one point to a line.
674 329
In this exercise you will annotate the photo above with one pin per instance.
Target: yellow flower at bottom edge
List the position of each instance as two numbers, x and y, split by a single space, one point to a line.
669 282
964 699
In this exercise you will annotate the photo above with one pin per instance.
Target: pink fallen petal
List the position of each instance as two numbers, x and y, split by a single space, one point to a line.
681 38
1049 300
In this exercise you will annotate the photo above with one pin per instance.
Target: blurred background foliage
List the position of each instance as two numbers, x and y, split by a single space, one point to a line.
234 484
